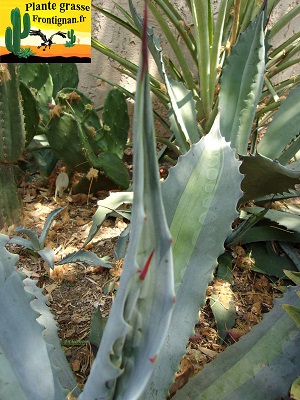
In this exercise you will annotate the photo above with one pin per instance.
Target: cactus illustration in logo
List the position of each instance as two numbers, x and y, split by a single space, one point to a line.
72 37
14 35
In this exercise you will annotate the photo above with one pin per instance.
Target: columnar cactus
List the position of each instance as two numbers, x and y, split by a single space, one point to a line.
12 140
14 35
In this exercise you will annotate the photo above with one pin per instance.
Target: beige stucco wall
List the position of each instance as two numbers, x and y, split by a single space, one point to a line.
126 44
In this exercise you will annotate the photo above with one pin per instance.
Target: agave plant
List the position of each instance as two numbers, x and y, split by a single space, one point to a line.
205 41
164 280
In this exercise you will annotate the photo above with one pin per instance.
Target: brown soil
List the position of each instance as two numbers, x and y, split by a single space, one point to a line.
74 291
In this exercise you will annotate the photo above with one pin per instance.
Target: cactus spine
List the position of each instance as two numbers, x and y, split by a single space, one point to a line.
12 140
14 35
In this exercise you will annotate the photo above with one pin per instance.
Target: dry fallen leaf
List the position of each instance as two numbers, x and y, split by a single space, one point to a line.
76 365
80 221
63 272
50 288
79 198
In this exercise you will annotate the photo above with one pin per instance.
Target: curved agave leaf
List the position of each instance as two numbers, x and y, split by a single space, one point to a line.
286 119
34 242
22 241
48 222
237 235
24 357
284 218
106 207
241 85
140 315
264 176
269 233
85 256
263 364
200 197
63 375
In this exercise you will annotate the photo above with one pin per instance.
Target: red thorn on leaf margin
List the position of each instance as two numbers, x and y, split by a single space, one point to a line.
146 267
152 359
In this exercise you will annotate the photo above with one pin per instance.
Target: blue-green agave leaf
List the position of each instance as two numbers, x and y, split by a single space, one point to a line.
140 315
97 328
266 261
21 242
200 197
284 218
106 207
241 85
243 227
34 239
87 257
23 350
121 246
153 40
182 111
262 365
61 369
48 222
264 176
286 120
268 232
292 253
47 255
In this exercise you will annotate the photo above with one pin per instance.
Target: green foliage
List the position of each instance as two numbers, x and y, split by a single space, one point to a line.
25 53
98 145
63 76
115 122
35 243
14 35
39 83
51 127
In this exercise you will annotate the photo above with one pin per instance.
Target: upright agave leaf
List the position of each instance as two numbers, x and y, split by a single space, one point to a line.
182 106
200 197
25 368
241 85
283 130
141 312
